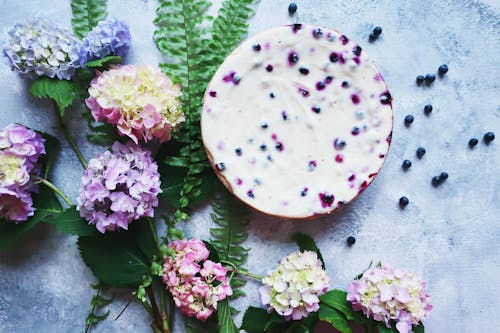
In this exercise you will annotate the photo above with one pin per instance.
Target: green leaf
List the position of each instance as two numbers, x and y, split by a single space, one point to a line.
196 326
86 15
225 319
104 62
62 92
383 329
306 243
337 299
70 222
52 148
119 259
419 329
255 320
334 317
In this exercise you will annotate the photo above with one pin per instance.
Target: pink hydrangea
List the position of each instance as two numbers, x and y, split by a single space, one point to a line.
388 294
140 100
196 284
118 187
20 149
293 289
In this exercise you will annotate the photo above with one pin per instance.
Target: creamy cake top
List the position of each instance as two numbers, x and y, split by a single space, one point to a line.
297 121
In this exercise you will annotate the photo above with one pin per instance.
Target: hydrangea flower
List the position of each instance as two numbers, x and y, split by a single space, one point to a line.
109 37
386 294
139 99
292 290
118 187
20 149
41 48
196 284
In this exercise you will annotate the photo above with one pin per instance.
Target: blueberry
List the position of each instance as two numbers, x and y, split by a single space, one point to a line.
488 137
442 70
406 164
238 151
264 125
328 79
420 79
263 147
420 152
220 166
293 57
303 71
250 194
357 50
345 84
409 120
317 33
279 146
256 47
320 85
316 109
386 98
473 142
292 8
372 38
303 193
436 180
443 176
269 68
429 78
334 57
428 109
403 202
351 240
272 95
377 31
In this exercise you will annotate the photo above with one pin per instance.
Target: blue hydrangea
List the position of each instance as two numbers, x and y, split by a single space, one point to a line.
39 47
109 37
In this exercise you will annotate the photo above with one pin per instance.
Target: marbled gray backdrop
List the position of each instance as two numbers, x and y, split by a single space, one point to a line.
450 235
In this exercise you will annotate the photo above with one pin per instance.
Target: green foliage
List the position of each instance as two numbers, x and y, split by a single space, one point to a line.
384 329
119 259
337 299
334 317
306 243
62 92
98 302
104 62
86 15
419 329
255 320
101 134
69 222
52 148
225 319
182 35
196 326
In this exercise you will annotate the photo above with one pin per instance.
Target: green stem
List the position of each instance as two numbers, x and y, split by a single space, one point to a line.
70 139
154 306
154 234
87 327
148 308
54 188
241 271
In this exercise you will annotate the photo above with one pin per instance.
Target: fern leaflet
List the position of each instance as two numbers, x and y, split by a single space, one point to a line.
86 15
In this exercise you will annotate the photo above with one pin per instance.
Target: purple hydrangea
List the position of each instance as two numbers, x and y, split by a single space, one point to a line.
20 149
41 48
110 37
119 186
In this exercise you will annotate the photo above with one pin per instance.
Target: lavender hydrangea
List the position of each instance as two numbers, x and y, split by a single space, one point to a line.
119 186
41 48
110 37
20 149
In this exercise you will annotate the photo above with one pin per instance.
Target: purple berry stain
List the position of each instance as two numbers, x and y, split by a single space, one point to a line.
304 92
212 93
351 178
339 158
293 58
355 99
304 191
326 199
279 146
239 181
296 27
269 68
344 39
250 194
229 77
312 165
320 85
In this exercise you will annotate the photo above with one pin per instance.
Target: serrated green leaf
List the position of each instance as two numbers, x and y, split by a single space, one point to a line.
255 320
69 222
119 259
225 319
104 62
337 299
419 329
62 92
52 148
86 15
306 243
335 318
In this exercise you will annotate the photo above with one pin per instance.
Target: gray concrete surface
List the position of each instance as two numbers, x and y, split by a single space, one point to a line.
450 235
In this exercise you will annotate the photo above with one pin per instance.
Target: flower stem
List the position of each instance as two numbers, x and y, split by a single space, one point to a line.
70 139
154 306
235 269
154 234
40 180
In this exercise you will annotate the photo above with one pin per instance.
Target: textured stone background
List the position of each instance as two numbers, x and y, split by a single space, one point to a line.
450 235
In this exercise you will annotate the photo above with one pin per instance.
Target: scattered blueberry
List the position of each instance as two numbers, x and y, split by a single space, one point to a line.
420 79
377 31
328 79
263 147
236 79
436 180
256 47
403 202
250 194
409 120
292 8
316 109
443 176
406 164
320 85
317 33
357 50
372 38
420 152
269 68
279 146
345 84
238 151
473 142
339 143
272 95
442 70
293 57
303 193
284 115
220 166
264 125
488 137
303 71
386 98
429 78
428 109
334 57
351 240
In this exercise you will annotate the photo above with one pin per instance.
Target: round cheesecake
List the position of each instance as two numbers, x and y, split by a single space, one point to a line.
297 121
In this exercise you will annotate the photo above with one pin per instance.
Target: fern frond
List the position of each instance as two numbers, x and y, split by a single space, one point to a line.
231 218
86 15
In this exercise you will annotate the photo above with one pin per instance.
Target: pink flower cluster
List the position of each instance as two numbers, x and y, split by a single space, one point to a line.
386 294
140 100
20 149
119 186
196 284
